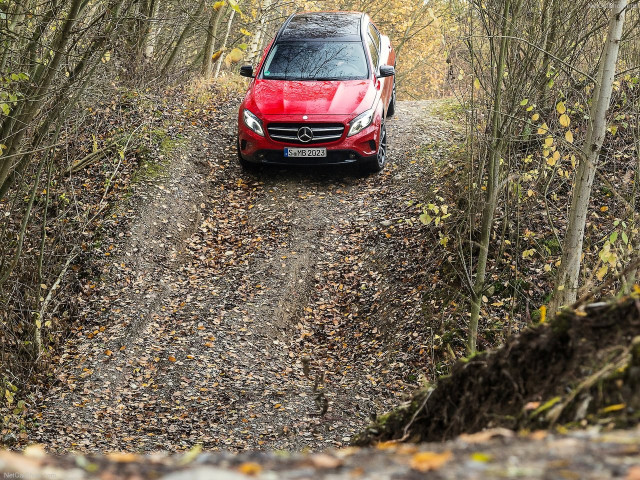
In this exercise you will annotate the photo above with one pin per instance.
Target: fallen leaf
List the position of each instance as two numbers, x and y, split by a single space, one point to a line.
325 461
486 435
250 468
427 461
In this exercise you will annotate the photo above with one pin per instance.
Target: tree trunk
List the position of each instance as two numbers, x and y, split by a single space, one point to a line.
13 131
186 31
493 179
224 43
256 40
567 280
210 44
147 30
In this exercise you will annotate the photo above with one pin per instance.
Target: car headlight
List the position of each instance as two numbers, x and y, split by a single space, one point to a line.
361 122
253 122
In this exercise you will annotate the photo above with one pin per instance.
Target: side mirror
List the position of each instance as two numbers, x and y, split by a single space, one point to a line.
246 71
386 71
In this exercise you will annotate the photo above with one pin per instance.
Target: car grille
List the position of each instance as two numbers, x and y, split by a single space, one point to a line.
322 132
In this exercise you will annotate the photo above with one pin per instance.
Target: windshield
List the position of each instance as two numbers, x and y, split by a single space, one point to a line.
316 61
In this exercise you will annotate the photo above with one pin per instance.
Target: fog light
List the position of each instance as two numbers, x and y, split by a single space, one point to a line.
372 144
261 156
352 155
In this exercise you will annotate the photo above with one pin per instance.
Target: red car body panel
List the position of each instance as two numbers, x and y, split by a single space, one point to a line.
275 101
280 97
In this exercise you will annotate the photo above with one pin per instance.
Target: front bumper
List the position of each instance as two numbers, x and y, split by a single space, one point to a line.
334 157
358 148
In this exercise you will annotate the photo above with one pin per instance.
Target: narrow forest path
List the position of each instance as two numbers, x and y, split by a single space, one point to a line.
216 284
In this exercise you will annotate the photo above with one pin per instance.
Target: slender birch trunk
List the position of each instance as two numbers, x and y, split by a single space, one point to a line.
224 43
491 193
567 280
210 44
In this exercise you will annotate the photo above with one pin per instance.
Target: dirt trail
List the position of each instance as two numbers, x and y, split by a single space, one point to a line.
218 282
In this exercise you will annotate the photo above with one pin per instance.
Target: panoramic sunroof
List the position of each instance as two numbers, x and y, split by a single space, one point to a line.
322 26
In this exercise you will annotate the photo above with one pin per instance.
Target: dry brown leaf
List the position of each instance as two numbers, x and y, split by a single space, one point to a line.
390 445
322 460
486 435
633 473
122 457
250 468
538 435
427 461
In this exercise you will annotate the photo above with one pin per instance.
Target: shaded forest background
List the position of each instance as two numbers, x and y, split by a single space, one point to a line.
92 95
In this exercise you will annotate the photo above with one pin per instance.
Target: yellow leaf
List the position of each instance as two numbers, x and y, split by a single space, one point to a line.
548 141
551 161
481 457
556 155
108 353
543 129
122 457
234 56
568 136
543 313
560 107
524 102
250 468
244 31
172 358
535 117
388 445
218 5
530 193
604 208
216 55
614 408
427 461
191 455
602 271
565 120
476 84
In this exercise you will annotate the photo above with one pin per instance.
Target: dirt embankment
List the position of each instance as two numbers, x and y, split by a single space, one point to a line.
579 370
216 288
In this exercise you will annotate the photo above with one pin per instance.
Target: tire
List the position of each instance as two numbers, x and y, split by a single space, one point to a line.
378 164
391 109
246 165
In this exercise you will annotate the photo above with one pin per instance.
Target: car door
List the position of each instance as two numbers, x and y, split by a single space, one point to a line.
378 57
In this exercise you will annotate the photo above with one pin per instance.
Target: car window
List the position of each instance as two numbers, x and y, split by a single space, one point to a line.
308 60
375 35
373 51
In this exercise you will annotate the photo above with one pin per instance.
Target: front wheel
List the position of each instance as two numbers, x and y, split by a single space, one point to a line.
377 164
246 165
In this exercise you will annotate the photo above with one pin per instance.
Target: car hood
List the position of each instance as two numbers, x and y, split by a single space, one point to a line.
283 97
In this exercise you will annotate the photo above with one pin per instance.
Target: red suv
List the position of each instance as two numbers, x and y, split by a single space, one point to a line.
320 94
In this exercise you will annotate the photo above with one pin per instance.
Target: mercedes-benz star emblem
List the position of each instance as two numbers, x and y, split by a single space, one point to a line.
305 134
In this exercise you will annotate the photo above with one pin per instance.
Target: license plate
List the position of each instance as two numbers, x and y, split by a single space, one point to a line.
305 152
